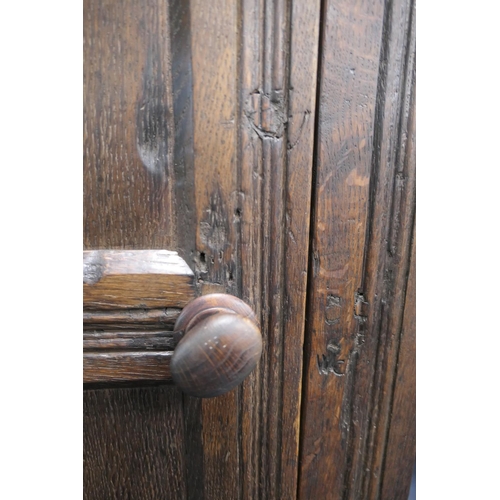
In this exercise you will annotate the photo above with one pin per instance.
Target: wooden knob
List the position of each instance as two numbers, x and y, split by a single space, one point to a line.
219 344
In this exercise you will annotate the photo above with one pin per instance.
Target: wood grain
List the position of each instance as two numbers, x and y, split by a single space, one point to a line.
133 442
303 66
131 340
128 125
213 444
214 159
279 46
400 453
115 279
388 253
126 366
362 226
137 104
216 354
128 279
347 96
126 319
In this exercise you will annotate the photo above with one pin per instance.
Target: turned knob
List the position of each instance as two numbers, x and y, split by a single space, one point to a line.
219 344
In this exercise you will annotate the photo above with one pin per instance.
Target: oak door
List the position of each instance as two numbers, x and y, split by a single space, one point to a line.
270 144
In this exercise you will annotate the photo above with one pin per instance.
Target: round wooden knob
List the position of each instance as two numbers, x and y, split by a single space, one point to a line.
219 345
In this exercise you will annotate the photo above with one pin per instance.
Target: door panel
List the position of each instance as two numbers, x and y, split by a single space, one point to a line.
279 47
363 220
351 44
400 452
215 440
134 444
238 214
128 116
205 134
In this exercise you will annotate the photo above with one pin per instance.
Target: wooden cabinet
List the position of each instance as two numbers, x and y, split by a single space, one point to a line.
272 145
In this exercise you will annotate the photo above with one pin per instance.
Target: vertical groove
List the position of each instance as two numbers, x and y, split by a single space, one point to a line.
408 75
250 208
285 46
239 266
183 147
238 249
393 386
310 266
377 133
264 107
373 184
182 183
263 268
380 373
264 472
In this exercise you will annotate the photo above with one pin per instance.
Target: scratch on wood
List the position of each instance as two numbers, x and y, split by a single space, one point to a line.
333 309
316 261
214 230
305 119
360 307
330 363
266 114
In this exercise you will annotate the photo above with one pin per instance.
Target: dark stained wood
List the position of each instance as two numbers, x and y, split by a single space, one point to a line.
212 426
138 125
207 305
132 340
279 50
137 101
389 247
123 366
114 279
128 125
216 339
198 137
216 354
362 227
131 279
351 38
303 64
133 444
125 319
400 452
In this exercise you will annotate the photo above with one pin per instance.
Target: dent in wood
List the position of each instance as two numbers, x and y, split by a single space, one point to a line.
128 67
214 269
361 307
266 113
214 230
93 267
333 309
152 113
330 363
